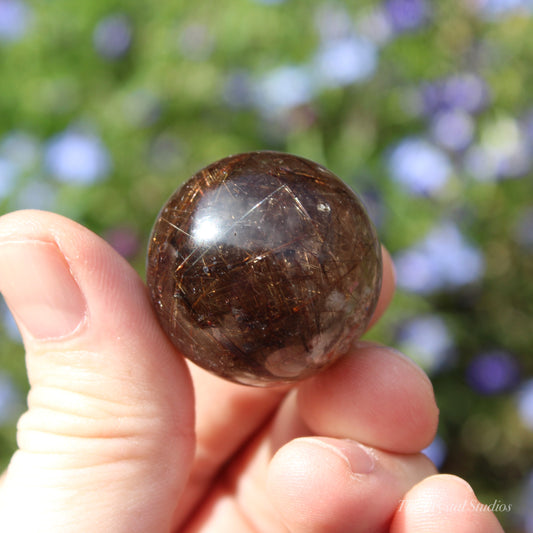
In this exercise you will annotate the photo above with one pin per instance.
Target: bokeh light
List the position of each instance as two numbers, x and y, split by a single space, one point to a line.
21 149
406 15
419 167
444 259
436 451
7 177
453 130
283 88
345 61
15 20
428 341
465 91
8 323
493 9
124 240
10 399
524 399
38 193
501 153
77 157
493 372
112 36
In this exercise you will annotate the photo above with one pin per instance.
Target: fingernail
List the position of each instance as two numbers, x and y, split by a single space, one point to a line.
358 457
38 287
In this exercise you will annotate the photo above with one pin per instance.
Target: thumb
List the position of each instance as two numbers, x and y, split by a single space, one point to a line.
107 439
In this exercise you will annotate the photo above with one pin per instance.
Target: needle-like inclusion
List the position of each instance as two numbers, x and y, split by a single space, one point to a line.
263 268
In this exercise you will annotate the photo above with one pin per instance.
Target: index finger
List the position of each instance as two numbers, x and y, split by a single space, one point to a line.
373 395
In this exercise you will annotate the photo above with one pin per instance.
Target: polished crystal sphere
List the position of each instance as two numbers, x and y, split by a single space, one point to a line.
263 268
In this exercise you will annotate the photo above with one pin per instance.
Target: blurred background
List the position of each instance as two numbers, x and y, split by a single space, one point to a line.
424 108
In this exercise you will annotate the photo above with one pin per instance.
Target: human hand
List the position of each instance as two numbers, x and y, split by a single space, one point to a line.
110 442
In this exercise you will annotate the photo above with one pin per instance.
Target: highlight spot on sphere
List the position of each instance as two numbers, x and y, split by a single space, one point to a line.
263 268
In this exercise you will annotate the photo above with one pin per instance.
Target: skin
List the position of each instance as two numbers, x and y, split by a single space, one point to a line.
122 435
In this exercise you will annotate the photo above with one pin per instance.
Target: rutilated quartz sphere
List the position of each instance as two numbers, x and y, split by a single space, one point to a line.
263 268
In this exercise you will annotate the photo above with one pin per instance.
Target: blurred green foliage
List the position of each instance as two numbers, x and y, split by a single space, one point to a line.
175 85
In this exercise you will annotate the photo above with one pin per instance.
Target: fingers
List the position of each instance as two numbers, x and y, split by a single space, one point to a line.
373 395
312 489
440 504
323 484
110 416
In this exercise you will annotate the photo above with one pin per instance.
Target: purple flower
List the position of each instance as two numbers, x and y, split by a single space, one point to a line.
524 400
442 260
419 167
492 372
527 128
373 202
406 15
466 92
493 9
428 341
375 26
15 18
8 175
478 165
196 41
502 152
124 240
21 149
340 62
238 91
8 322
333 22
453 129
416 272
37 194
436 452
459 262
77 157
282 89
112 36
10 399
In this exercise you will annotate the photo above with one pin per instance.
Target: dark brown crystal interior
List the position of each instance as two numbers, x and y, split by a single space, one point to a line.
263 268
